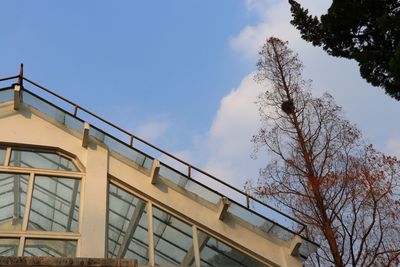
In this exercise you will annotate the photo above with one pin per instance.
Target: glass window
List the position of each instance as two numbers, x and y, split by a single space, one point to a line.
215 253
185 183
41 160
6 95
55 204
8 247
127 226
13 188
173 244
48 247
2 155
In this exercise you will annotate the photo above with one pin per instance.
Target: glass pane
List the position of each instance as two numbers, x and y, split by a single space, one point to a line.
185 183
8 247
127 226
6 95
73 123
216 253
121 148
124 150
42 106
261 223
173 244
13 188
48 247
55 204
2 155
41 160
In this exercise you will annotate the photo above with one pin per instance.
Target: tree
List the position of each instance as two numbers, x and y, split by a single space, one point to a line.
365 30
322 170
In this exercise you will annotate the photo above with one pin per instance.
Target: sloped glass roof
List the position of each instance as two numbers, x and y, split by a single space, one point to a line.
121 142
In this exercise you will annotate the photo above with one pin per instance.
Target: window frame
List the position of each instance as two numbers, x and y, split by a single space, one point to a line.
24 233
195 227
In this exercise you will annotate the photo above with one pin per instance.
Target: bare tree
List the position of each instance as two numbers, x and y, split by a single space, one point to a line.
322 170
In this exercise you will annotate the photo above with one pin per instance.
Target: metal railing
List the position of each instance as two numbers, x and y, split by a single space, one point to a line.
133 139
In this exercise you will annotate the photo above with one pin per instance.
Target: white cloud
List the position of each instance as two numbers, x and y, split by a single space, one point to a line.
234 124
274 21
225 149
153 130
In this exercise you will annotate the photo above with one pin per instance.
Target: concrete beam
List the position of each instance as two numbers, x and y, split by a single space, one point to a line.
155 169
294 246
17 96
85 135
223 206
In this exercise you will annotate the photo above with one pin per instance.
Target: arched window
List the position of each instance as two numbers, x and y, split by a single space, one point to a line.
39 202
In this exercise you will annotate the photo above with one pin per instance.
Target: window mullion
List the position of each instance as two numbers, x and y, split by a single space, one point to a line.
21 246
7 156
28 201
196 246
150 233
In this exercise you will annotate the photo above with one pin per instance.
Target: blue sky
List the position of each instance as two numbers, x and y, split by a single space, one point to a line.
149 58
179 73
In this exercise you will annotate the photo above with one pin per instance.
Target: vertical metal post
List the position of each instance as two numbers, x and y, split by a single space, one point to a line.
247 200
189 171
131 141
75 110
21 75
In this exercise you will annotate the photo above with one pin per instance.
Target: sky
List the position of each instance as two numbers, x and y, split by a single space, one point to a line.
179 73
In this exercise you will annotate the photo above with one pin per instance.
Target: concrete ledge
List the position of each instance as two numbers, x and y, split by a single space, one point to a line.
64 262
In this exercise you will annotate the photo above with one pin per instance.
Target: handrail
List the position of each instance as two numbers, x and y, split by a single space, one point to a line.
77 107
9 78
189 166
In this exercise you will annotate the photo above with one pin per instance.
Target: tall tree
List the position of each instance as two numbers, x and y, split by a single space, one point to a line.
365 30
322 170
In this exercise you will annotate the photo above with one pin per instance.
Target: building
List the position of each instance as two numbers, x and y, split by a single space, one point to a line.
74 185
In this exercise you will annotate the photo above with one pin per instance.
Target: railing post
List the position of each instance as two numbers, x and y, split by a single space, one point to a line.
131 141
189 170
223 206
21 75
85 134
247 200
18 87
75 110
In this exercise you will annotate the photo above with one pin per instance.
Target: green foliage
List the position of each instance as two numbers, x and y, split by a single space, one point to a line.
365 30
